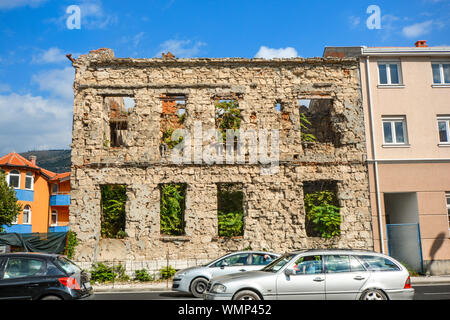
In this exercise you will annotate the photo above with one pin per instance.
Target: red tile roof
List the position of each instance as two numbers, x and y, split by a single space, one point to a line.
14 159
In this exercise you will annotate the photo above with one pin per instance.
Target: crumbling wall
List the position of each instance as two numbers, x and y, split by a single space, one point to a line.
274 217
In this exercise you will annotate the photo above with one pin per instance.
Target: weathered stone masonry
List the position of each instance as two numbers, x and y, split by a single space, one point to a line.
274 216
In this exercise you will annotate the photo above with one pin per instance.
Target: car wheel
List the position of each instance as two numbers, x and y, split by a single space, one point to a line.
246 295
51 298
373 294
198 287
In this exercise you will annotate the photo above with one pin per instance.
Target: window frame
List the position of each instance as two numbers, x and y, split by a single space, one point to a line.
13 173
29 211
29 175
389 83
441 73
392 120
297 258
51 218
445 119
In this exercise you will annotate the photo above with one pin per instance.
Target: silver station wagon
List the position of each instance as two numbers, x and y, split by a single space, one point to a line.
318 275
194 280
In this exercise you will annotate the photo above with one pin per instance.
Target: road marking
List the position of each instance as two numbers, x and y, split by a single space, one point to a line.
436 293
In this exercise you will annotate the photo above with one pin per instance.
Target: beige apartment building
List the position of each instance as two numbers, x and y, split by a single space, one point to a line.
406 100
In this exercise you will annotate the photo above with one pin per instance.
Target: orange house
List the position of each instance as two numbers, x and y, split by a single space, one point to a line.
44 195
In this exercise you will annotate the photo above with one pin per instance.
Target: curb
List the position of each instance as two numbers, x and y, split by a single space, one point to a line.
125 287
430 280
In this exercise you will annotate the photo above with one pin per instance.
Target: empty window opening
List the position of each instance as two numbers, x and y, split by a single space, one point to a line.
173 117
228 117
316 123
119 109
322 212
230 209
113 203
172 208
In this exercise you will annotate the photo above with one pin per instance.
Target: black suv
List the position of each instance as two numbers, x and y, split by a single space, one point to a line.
42 276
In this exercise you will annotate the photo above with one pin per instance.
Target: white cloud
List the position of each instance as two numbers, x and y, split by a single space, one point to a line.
418 29
270 53
354 21
30 122
52 55
181 48
58 82
11 4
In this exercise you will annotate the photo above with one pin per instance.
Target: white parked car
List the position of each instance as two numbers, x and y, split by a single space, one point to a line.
318 275
194 280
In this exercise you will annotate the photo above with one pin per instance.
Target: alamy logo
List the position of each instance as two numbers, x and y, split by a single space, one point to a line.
374 20
73 21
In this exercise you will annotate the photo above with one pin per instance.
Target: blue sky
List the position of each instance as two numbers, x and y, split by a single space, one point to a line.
36 77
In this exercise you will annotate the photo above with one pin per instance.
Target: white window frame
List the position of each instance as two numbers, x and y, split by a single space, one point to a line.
441 73
29 175
13 174
392 121
54 212
29 214
445 119
388 73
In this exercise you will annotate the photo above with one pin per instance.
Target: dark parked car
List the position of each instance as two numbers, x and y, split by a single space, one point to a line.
39 276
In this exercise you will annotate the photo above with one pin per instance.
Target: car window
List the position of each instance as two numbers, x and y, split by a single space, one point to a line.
338 263
53 270
67 265
355 265
308 265
234 260
277 264
377 263
262 259
24 267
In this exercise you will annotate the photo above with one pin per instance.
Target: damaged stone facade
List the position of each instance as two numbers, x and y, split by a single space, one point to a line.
274 215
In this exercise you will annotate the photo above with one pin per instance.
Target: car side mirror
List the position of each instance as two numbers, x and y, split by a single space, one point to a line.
289 272
223 265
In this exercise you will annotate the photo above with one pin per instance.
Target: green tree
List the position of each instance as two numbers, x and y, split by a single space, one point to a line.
228 116
114 198
9 208
323 212
172 209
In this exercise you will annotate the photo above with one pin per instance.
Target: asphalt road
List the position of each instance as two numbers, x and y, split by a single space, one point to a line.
423 292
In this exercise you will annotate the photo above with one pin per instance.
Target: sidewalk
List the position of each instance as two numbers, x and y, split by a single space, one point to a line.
164 286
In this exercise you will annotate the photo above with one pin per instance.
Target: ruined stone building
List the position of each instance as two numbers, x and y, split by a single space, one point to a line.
125 113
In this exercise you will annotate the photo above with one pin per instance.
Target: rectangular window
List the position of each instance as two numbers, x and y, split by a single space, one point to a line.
230 209
54 220
394 130
444 129
119 109
441 72
14 179
113 204
55 188
316 122
173 117
29 180
389 73
172 208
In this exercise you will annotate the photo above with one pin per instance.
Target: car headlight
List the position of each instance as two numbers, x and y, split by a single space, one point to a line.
218 288
179 275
